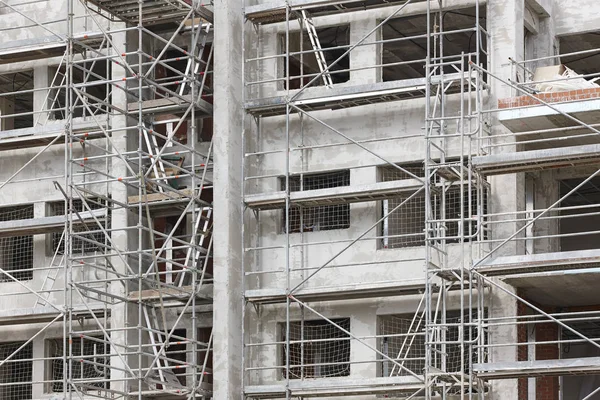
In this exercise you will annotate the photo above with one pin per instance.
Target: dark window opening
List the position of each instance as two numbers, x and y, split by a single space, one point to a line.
94 92
583 64
170 260
16 101
319 218
205 356
16 252
81 242
405 58
304 67
90 363
582 214
16 374
176 353
318 349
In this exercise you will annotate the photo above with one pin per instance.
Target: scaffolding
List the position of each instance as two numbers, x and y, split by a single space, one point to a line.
311 175
122 300
431 201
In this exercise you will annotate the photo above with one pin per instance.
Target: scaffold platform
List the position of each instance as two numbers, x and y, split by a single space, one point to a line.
153 12
524 369
336 195
535 160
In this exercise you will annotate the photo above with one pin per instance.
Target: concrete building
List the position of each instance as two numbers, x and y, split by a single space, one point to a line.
296 199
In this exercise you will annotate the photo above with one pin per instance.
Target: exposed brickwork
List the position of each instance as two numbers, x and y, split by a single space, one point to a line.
552 97
546 387
522 351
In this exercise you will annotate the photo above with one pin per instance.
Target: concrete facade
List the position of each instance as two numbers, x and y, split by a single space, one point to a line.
267 282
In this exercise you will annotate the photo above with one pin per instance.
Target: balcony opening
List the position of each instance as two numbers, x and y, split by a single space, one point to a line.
16 373
90 364
579 215
82 242
405 227
405 58
304 58
319 218
16 100
402 339
318 349
16 252
93 94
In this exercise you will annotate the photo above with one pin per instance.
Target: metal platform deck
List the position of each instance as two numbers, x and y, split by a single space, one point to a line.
337 195
335 387
523 369
274 11
533 160
344 292
339 97
45 47
154 12
565 260
40 226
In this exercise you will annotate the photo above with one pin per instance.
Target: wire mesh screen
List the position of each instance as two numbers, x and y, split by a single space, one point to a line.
16 373
468 229
447 356
321 218
318 349
16 252
89 364
81 243
405 227
402 338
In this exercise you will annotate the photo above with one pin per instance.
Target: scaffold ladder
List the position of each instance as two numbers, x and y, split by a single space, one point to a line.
318 50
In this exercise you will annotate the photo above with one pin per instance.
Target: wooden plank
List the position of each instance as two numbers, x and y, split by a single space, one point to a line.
160 197
168 293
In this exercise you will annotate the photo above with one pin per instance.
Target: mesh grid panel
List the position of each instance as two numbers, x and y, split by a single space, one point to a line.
403 341
318 349
16 253
79 244
321 218
406 344
405 227
16 374
87 363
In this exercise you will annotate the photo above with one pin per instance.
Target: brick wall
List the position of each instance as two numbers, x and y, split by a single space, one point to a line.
546 387
552 97
522 351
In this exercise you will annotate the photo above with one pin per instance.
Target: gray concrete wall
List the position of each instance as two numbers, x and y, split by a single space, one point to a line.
228 151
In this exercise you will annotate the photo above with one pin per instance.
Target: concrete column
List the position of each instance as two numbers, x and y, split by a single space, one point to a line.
228 152
39 374
364 56
505 24
363 323
118 318
40 97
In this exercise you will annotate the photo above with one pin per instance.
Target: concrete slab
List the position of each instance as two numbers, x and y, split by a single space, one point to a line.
541 117
507 370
